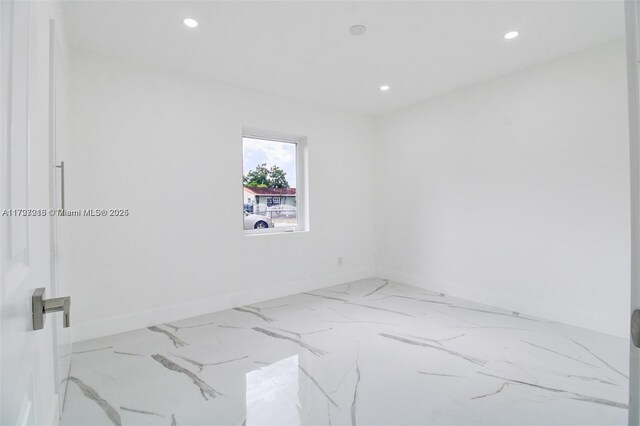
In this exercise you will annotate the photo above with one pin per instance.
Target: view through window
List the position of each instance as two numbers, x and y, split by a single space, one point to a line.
269 181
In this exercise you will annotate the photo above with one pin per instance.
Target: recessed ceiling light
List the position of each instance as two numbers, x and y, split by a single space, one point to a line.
358 30
191 23
384 88
511 35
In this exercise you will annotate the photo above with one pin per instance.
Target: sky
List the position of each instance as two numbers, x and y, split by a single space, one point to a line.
258 151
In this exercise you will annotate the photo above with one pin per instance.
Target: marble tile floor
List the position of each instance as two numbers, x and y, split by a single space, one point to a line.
369 352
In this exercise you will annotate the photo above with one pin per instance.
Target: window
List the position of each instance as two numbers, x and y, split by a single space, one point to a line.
273 201
273 182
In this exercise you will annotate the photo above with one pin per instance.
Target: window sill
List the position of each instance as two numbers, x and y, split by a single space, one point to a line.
260 234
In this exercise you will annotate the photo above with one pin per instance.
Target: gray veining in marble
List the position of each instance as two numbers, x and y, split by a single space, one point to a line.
201 365
315 351
133 410
127 353
377 289
437 374
315 382
427 345
600 359
258 314
575 396
354 403
557 353
178 328
90 350
347 302
419 299
177 342
500 389
369 352
92 395
205 389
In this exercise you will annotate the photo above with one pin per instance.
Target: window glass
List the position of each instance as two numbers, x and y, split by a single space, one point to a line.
269 185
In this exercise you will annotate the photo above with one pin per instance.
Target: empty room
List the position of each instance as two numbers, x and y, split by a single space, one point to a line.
440 219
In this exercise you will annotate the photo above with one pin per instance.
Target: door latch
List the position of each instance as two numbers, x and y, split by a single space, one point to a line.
635 327
42 306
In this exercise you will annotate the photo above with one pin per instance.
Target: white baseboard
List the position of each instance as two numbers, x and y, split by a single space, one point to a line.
566 315
114 325
563 314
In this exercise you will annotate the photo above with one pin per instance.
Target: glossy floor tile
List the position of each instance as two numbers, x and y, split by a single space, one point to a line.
370 352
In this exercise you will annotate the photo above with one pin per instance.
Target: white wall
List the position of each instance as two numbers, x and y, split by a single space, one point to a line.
167 146
515 192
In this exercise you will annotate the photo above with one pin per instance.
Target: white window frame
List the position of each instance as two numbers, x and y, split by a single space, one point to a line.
302 211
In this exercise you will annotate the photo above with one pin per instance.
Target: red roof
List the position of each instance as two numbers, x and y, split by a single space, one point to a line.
271 191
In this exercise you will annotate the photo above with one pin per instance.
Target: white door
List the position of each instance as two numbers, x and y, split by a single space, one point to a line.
27 388
58 136
633 61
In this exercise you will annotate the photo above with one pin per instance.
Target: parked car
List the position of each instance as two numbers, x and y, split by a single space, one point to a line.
256 221
260 209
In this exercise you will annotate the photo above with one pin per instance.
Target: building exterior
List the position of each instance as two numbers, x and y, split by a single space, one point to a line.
269 197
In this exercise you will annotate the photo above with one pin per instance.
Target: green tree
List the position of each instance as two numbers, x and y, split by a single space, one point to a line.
263 177
258 178
277 178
